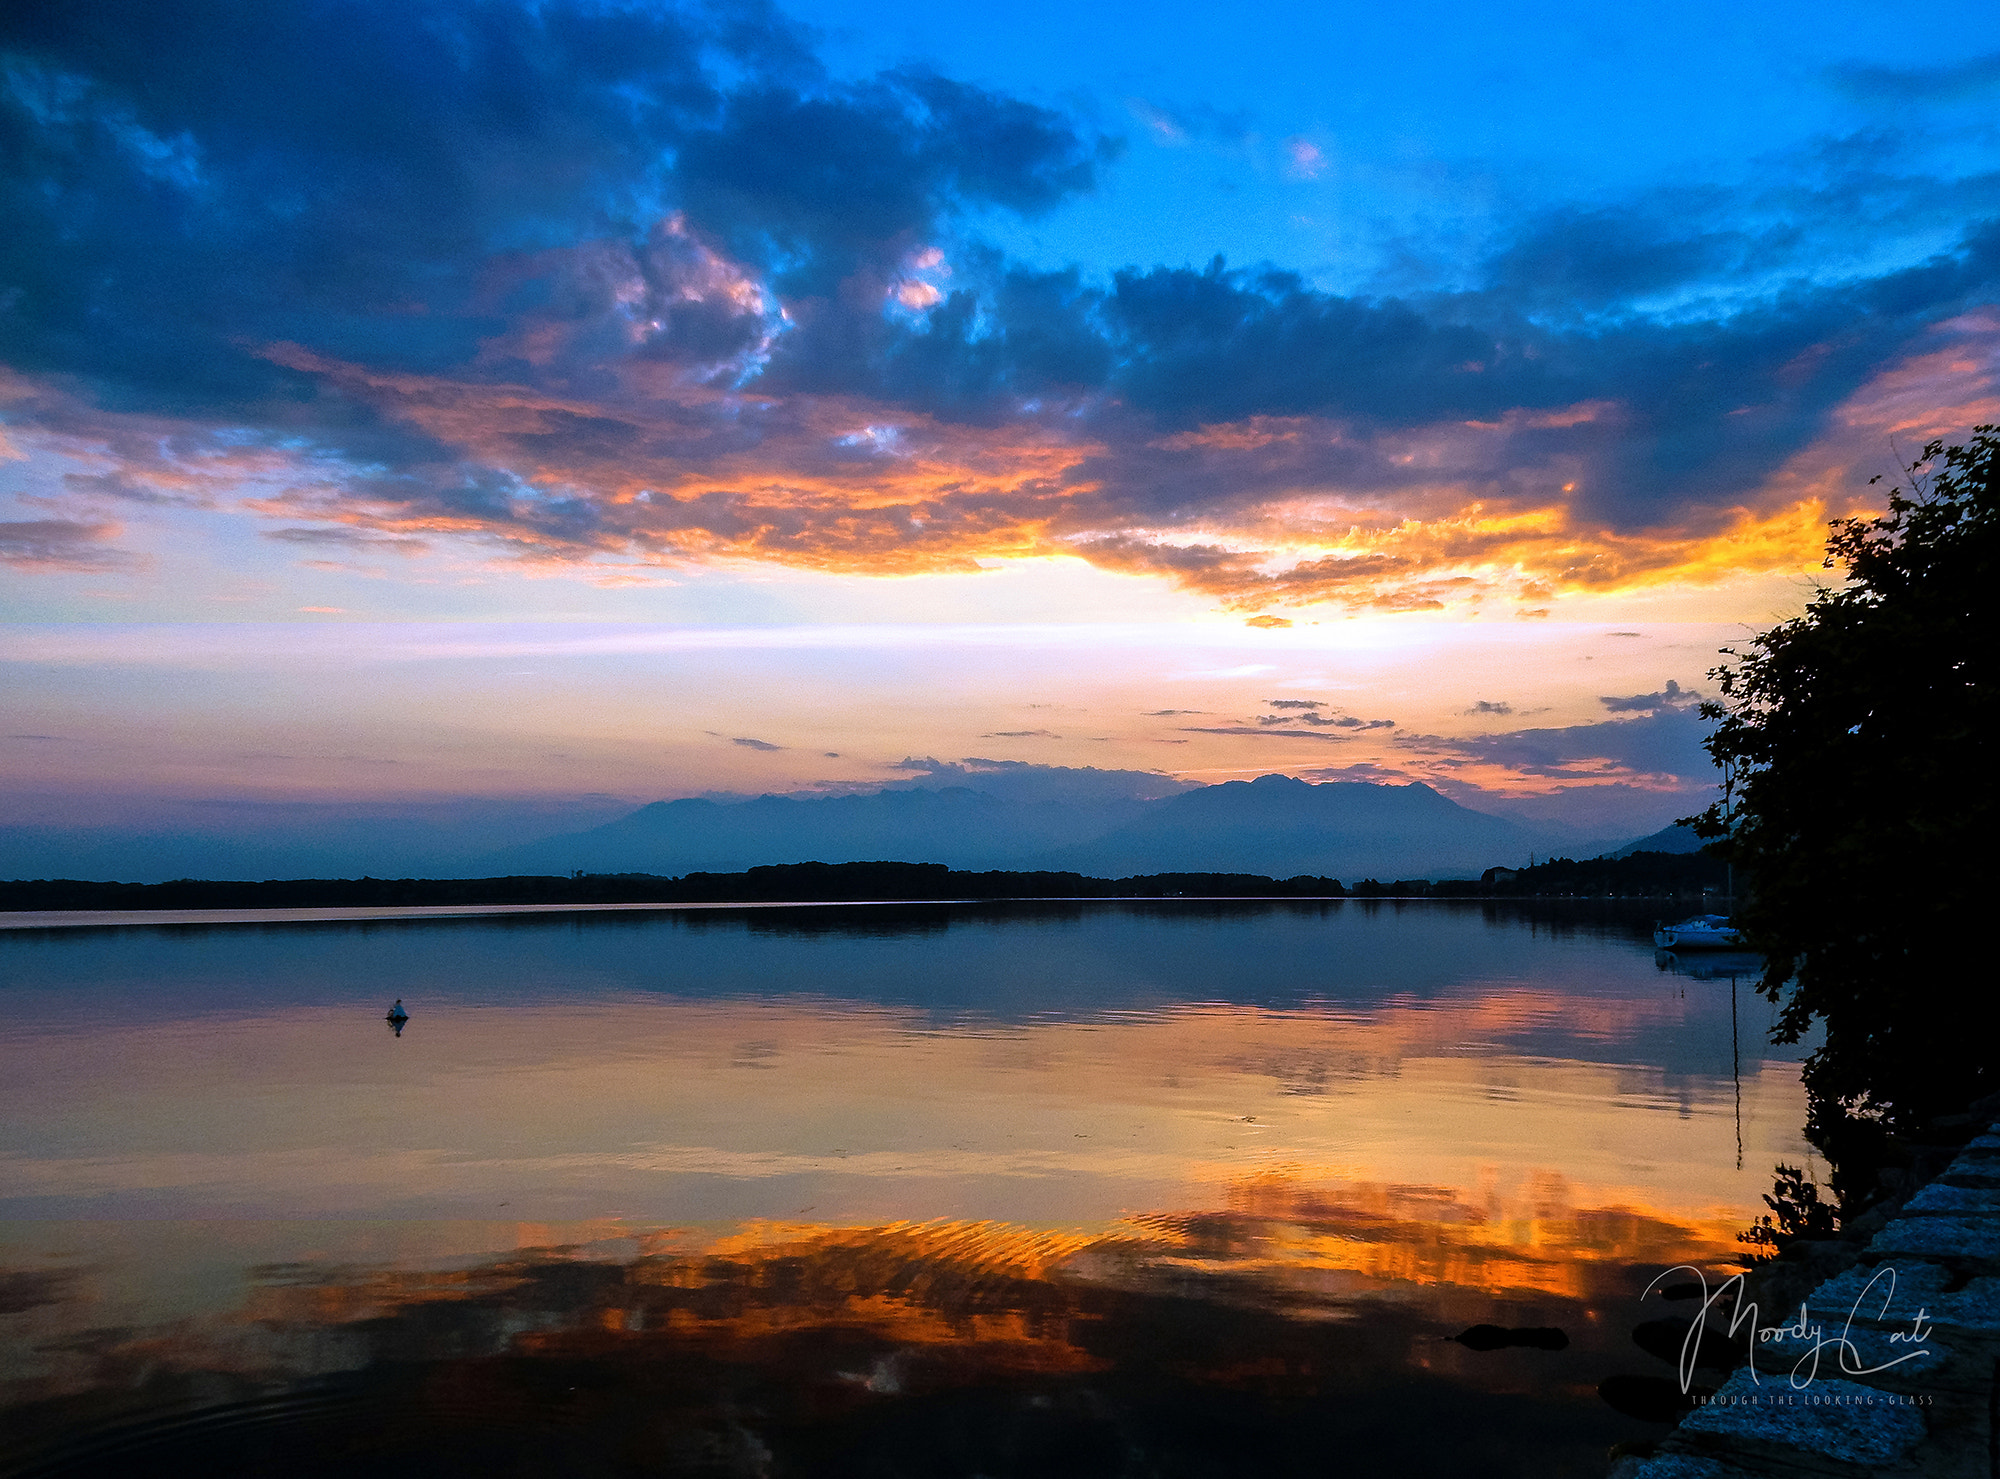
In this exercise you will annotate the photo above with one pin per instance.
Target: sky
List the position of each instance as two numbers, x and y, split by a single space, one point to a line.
585 404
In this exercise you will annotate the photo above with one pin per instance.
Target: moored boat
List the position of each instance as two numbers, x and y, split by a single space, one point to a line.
1703 932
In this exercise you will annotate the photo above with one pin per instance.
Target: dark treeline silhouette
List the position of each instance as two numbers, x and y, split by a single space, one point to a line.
1639 875
1642 875
782 883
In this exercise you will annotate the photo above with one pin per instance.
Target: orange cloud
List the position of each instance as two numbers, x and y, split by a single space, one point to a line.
658 467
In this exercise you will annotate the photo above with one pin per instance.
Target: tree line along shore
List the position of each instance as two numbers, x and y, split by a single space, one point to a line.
1639 875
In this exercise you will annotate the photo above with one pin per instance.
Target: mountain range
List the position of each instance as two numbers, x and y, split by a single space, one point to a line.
1275 825
975 815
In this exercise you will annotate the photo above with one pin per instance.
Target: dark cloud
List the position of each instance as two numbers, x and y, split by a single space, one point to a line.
1666 743
1486 706
1905 85
1295 703
1673 696
756 744
1021 734
1170 713
185 184
813 187
1577 258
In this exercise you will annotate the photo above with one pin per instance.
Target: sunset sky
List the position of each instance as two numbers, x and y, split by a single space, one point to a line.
594 403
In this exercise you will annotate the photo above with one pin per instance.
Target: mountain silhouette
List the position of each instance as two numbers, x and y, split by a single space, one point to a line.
954 825
1675 838
1274 825
1280 826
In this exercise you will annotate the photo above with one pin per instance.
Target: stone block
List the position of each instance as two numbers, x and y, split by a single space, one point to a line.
1842 1421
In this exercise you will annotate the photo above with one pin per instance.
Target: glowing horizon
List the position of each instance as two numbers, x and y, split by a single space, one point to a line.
745 332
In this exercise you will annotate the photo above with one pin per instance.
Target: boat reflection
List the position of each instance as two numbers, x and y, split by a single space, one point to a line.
1710 965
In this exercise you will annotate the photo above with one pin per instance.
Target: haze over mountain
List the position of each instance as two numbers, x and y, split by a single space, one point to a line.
975 814
1279 826
954 825
1275 825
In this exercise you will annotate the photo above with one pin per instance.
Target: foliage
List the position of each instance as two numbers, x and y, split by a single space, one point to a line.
1858 803
1799 1213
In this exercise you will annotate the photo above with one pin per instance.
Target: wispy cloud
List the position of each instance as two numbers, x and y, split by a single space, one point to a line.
61 545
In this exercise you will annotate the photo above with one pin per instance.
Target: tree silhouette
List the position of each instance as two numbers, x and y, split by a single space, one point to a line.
1858 802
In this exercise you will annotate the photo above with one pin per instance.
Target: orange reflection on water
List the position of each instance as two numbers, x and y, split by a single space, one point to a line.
1283 1242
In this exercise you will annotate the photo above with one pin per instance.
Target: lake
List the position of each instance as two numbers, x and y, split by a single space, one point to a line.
1172 1187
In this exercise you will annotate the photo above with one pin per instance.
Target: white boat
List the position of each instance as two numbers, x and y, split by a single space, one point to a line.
1703 932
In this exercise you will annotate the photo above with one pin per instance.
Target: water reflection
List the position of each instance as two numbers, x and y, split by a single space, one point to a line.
1299 1322
1095 1189
1711 965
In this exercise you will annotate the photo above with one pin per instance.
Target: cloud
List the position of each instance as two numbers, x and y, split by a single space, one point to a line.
384 180
1305 711
1486 706
1180 123
1021 734
1253 731
1170 713
1367 771
1025 782
60 545
1673 696
356 539
1905 85
756 744
1664 748
601 283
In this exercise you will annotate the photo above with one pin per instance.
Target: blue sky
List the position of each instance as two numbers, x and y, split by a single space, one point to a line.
1213 327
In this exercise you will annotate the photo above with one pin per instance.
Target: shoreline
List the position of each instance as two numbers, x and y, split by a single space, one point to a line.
39 919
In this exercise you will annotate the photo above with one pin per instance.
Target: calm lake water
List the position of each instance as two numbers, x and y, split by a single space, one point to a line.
1168 1188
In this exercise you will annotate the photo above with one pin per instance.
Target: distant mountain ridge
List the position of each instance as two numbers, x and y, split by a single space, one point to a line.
1674 839
1344 829
973 815
1275 826
954 825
